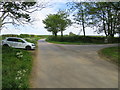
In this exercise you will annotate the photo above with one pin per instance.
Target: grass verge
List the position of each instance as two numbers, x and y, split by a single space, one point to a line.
17 65
16 68
111 53
70 43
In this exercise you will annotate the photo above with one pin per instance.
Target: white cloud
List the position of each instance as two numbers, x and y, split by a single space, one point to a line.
39 16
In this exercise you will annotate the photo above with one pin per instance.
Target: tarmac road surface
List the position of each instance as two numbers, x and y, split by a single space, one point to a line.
72 66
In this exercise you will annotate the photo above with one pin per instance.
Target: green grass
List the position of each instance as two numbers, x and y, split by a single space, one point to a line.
15 69
111 53
70 43
74 43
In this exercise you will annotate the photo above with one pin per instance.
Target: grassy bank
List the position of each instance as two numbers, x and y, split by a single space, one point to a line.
111 53
70 43
16 67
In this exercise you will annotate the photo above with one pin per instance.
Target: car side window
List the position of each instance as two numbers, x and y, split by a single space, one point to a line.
15 40
10 39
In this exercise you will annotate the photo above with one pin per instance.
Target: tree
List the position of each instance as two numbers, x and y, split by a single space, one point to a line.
105 17
80 14
116 6
56 22
17 12
51 23
63 21
102 15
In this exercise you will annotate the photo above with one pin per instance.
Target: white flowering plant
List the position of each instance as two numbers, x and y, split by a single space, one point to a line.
19 77
19 54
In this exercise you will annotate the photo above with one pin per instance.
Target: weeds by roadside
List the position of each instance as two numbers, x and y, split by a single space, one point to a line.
16 68
111 53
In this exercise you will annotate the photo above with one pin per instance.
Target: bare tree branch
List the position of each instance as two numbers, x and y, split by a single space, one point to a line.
17 14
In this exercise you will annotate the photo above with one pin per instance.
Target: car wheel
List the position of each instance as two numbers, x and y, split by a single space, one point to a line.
28 47
5 45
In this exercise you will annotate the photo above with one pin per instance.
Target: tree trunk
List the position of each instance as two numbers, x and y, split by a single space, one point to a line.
55 34
0 25
108 24
83 23
83 30
110 33
104 25
61 33
104 29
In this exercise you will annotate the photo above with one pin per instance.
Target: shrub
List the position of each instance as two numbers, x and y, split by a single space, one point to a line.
9 35
87 39
24 35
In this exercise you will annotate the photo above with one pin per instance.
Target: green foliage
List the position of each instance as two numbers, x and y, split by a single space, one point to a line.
71 34
56 22
103 15
43 36
51 23
107 14
80 14
9 35
24 35
17 64
27 37
81 39
17 11
33 39
16 67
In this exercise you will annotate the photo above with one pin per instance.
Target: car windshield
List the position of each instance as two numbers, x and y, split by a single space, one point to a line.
23 40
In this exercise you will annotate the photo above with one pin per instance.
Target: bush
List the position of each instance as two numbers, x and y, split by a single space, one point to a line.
24 35
9 35
32 40
76 38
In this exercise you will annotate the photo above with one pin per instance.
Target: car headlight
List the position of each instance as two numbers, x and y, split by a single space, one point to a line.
33 44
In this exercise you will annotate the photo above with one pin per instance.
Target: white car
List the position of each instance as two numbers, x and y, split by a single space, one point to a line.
17 43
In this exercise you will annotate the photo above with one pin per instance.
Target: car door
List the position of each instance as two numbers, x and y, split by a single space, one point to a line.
20 43
11 42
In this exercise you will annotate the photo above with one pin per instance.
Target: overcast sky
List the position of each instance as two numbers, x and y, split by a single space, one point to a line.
38 27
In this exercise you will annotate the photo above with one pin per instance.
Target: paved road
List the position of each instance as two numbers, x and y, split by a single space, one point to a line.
72 66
